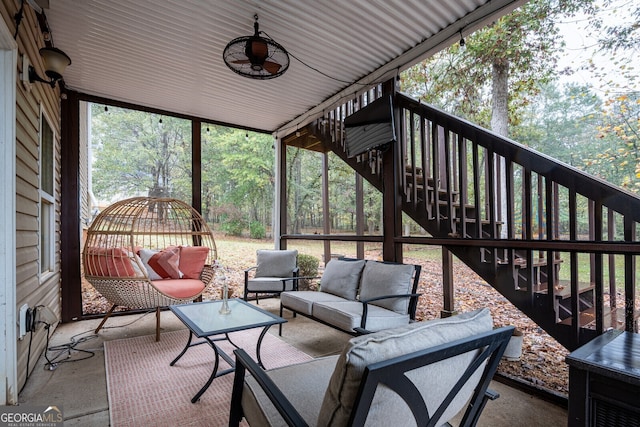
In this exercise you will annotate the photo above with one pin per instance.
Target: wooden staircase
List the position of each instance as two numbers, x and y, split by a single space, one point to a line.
532 227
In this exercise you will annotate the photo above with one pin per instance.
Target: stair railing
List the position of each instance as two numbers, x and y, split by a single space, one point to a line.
542 221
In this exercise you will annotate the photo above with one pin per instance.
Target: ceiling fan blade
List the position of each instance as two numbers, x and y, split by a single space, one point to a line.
241 61
272 67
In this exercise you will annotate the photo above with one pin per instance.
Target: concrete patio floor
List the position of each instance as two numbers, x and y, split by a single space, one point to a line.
80 387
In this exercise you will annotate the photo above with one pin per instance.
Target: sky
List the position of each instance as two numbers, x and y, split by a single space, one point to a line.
582 44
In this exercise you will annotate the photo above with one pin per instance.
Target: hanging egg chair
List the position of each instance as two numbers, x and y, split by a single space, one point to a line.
149 253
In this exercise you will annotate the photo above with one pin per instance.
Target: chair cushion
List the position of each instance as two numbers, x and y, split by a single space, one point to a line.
179 288
346 315
276 263
302 301
268 284
109 262
379 279
434 380
192 260
341 277
303 384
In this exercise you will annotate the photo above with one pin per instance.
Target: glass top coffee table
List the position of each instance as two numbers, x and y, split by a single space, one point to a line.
204 321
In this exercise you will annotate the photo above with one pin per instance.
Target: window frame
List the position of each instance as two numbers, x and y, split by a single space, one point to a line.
46 200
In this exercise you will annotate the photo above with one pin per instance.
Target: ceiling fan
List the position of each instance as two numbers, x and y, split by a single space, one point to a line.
256 57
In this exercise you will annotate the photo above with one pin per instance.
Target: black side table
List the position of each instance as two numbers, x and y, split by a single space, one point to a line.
604 381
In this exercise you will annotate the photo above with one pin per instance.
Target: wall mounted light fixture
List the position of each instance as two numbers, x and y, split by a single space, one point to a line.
55 62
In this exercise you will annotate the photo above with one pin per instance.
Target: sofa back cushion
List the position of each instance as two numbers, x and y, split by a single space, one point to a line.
379 279
276 263
433 381
341 277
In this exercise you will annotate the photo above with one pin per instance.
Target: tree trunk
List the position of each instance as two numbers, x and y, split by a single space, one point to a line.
500 125
500 98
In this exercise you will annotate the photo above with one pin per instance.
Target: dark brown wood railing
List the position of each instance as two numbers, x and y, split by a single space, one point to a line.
560 244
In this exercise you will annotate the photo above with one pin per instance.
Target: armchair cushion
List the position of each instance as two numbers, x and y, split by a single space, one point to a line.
305 395
379 279
367 349
341 278
269 284
276 263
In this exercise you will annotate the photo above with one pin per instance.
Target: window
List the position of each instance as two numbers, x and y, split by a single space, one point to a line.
47 196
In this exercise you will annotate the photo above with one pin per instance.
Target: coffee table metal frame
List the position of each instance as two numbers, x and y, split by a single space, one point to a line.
204 321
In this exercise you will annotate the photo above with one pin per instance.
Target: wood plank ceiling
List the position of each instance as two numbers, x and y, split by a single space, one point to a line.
167 55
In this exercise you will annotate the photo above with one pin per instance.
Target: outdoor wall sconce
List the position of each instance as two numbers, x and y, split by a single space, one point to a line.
55 62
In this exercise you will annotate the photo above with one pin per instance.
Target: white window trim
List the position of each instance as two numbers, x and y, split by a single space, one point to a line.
50 198
8 316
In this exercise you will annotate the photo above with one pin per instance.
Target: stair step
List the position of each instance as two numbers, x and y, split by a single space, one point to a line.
442 192
612 318
563 288
537 262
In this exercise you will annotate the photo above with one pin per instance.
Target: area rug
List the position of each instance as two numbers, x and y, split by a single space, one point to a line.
145 391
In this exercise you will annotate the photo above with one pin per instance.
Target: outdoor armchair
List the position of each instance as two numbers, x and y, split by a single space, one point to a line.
275 272
429 372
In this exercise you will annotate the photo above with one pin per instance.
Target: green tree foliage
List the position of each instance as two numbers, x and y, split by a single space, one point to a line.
237 177
523 44
136 153
619 158
622 33
616 29
562 123
304 188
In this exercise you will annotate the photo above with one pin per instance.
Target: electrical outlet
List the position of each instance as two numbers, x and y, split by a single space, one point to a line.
44 316
22 320
31 319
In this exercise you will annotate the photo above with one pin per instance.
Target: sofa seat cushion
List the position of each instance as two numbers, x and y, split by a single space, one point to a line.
380 279
438 378
268 284
179 288
347 315
302 301
341 278
303 385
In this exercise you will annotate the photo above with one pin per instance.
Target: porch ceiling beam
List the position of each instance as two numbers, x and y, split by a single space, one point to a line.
479 18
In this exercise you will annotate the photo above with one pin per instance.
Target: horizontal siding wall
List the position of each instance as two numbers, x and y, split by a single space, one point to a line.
32 289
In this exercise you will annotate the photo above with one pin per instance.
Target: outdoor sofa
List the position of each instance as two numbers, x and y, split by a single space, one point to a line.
359 295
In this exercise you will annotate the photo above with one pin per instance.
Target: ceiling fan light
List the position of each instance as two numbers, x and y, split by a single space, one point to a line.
256 57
